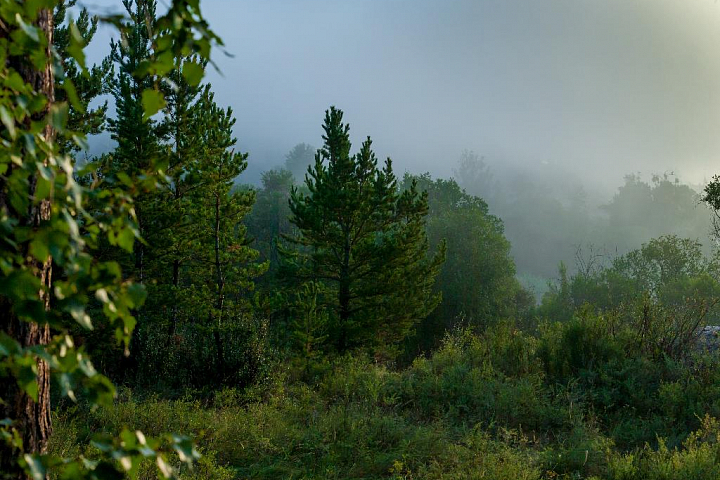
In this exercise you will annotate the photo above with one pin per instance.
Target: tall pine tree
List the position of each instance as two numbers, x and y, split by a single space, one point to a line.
173 228
136 136
88 119
138 143
223 264
138 149
365 240
197 263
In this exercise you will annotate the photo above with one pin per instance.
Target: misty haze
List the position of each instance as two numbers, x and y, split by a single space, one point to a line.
360 239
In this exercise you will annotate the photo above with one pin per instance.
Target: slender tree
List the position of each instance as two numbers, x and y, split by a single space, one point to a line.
138 147
136 136
365 240
308 326
224 263
270 217
173 227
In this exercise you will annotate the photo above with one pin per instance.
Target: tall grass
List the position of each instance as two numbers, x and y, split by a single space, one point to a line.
576 401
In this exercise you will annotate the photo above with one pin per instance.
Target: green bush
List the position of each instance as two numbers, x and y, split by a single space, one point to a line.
578 401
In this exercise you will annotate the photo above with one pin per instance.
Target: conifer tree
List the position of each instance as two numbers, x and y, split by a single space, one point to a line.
365 240
299 159
224 263
196 263
172 230
269 218
138 149
138 142
136 136
308 327
85 120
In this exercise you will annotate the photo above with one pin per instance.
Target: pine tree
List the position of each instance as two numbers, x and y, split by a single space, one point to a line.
136 137
223 262
138 142
308 328
87 120
172 230
365 240
299 159
138 150
196 262
270 216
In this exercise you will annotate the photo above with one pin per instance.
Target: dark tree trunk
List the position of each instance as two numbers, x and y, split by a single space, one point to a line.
32 419
344 295
220 300
172 327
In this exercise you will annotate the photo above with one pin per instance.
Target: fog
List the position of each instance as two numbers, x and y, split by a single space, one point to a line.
598 88
567 96
601 88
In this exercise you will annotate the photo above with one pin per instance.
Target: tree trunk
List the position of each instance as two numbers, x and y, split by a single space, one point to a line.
344 295
32 419
172 327
220 300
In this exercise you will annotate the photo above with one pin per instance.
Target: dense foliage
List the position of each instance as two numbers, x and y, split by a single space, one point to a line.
581 399
334 322
365 240
53 226
668 273
548 213
477 280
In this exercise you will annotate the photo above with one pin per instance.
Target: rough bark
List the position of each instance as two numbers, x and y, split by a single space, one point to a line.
32 419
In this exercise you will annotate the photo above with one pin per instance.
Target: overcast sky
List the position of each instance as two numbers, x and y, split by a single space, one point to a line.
603 87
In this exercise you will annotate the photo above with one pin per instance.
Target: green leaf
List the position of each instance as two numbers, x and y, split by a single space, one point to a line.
136 293
125 179
15 82
66 386
72 95
29 30
8 345
27 376
102 442
163 63
32 7
152 102
39 249
78 313
129 440
42 189
36 467
192 72
165 470
58 115
76 47
126 239
185 449
8 121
